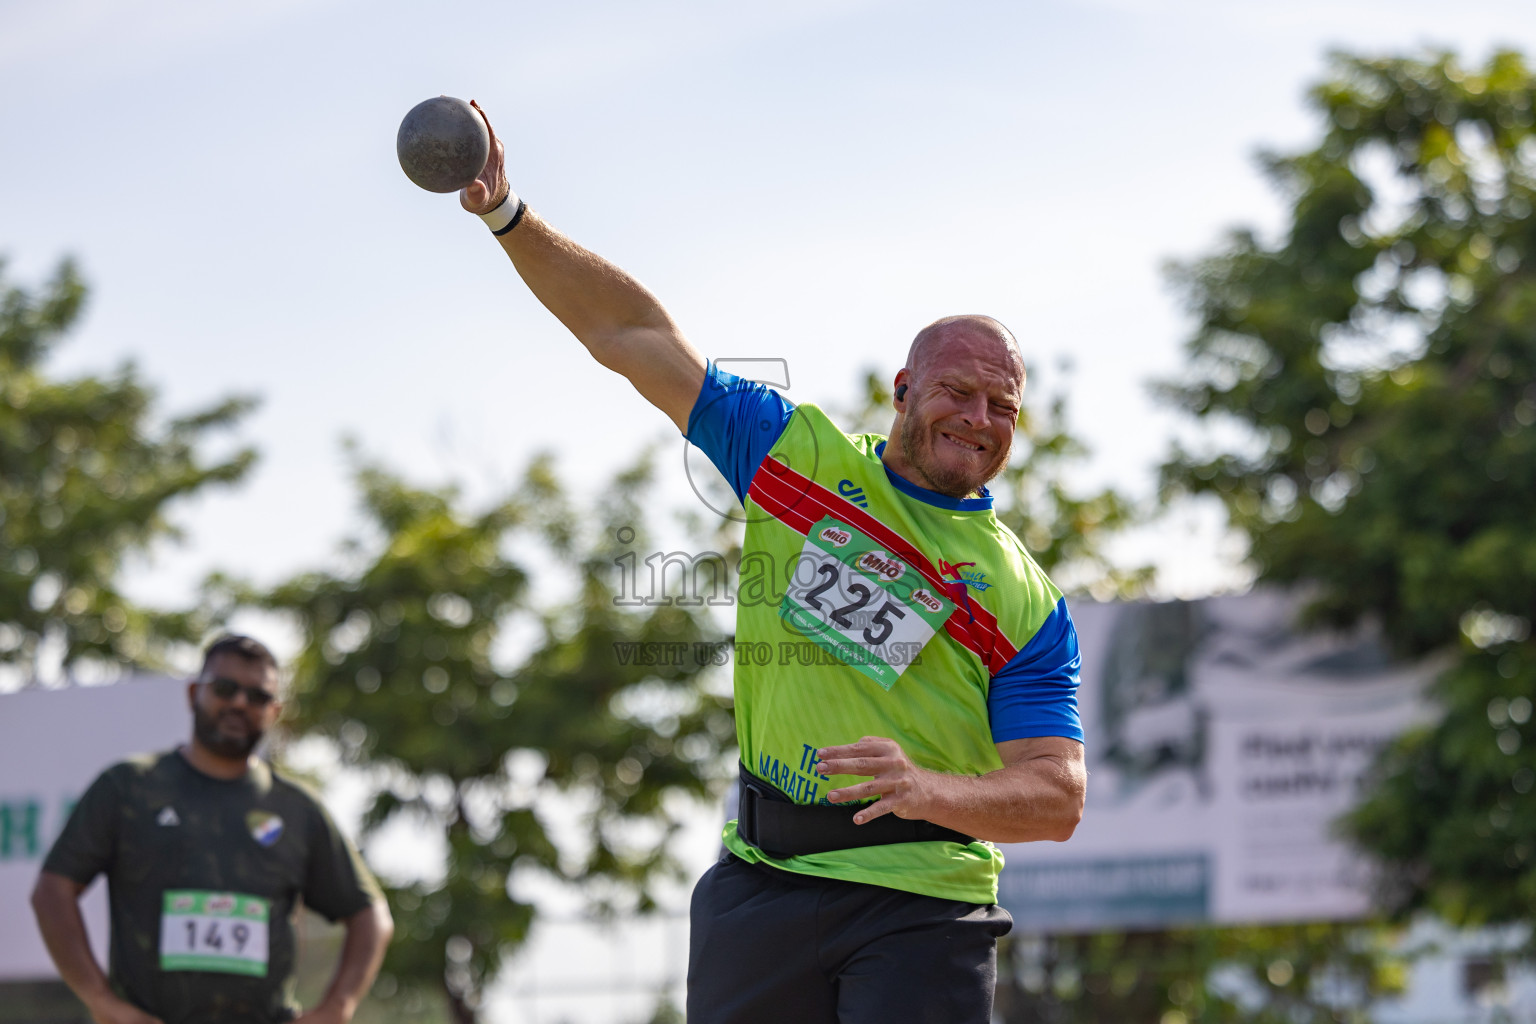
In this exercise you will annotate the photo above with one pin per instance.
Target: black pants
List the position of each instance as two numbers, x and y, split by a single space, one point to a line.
771 947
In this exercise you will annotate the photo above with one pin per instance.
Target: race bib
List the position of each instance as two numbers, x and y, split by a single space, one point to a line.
864 604
225 932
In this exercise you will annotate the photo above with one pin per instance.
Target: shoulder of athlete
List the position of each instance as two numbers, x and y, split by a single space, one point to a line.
1017 550
867 444
125 783
136 768
294 793
290 784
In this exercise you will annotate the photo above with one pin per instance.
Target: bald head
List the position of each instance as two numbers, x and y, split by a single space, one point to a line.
968 329
957 405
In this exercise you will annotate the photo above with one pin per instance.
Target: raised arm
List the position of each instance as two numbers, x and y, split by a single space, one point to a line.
613 315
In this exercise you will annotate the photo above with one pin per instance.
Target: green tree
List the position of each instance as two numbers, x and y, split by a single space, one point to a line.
88 475
1367 385
1378 360
1281 974
409 666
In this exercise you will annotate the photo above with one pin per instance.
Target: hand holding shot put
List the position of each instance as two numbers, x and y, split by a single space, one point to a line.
490 188
977 741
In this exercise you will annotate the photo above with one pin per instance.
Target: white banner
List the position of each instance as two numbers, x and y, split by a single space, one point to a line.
1222 743
53 743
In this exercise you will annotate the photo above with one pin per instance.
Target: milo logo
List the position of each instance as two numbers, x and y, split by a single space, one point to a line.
222 903
882 564
837 538
927 600
183 902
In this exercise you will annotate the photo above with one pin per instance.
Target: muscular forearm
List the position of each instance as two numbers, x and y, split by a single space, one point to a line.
621 323
367 936
1021 803
1037 794
593 298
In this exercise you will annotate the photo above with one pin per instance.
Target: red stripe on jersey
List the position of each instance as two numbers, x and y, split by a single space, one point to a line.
800 503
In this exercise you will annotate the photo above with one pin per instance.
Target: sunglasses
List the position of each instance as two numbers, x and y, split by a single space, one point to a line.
255 696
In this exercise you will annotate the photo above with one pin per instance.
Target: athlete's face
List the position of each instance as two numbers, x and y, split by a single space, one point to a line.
961 410
234 703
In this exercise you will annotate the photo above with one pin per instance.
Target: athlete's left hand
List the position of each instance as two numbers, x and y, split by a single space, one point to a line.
904 789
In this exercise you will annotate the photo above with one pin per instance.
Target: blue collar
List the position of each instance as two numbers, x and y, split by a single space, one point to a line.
934 498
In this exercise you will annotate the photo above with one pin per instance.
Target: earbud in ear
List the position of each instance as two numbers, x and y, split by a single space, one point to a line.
901 392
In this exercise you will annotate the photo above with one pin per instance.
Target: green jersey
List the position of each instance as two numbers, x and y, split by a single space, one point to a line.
857 616
203 879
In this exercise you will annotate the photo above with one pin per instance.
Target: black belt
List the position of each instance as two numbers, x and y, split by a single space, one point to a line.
773 823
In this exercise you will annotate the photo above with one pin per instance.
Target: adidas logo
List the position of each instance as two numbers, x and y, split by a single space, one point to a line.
168 817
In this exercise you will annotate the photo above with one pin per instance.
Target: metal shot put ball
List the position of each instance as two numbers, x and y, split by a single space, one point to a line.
443 144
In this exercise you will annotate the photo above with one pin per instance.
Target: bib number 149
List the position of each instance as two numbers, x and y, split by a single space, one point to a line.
214 931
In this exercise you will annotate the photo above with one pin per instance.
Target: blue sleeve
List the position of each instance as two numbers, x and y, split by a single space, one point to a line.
1036 693
736 422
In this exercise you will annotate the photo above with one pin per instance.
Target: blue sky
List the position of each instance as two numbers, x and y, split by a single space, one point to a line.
805 180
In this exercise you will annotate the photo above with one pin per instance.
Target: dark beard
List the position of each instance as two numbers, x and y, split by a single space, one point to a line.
206 728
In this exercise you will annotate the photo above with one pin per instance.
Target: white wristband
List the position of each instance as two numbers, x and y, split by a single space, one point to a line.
505 217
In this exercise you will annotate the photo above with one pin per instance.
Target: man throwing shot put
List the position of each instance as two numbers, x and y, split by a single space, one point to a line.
936 712
206 850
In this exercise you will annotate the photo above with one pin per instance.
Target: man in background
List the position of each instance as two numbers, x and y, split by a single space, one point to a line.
207 850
